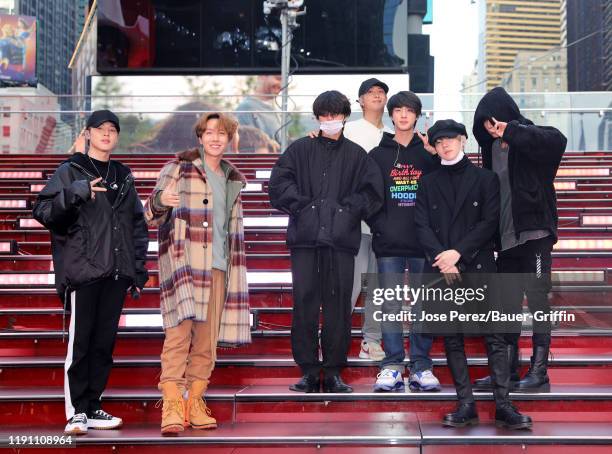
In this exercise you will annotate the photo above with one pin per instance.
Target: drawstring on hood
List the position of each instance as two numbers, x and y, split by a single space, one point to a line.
402 168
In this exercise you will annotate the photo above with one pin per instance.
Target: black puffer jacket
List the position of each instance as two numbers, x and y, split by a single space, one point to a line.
90 239
326 187
534 156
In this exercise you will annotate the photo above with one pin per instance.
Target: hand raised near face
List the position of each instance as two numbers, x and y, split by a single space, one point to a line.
169 196
500 127
428 147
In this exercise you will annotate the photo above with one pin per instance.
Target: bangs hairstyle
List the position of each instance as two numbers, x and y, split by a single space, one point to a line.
226 122
405 99
331 103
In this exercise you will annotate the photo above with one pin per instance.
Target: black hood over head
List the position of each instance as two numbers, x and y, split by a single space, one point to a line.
497 104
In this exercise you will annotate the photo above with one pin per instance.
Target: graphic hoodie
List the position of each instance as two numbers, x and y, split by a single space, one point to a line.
402 167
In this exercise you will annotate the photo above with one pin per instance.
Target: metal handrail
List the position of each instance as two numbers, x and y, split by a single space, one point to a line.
425 111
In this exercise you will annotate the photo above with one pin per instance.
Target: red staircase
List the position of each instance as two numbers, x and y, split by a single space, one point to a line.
249 394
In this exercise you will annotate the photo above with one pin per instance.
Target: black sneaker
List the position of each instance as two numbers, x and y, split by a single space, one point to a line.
77 425
101 420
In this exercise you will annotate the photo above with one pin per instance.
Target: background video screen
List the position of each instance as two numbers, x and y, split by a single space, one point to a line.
18 49
234 36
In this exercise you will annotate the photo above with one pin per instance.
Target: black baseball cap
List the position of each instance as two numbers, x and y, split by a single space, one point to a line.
99 117
373 82
445 128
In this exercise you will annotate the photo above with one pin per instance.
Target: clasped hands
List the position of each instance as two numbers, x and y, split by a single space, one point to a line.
446 262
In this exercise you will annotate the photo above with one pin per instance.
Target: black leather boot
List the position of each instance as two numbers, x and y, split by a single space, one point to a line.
486 383
458 366
465 415
536 379
307 384
334 384
509 417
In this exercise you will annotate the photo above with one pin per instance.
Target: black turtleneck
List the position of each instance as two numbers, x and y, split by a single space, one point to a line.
456 172
458 167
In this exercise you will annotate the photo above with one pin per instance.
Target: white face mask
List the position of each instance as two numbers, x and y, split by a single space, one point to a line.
332 127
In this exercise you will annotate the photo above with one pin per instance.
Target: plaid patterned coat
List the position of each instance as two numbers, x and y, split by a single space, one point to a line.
185 248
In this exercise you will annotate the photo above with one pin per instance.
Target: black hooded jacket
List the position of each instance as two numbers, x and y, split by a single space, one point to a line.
326 187
534 156
393 229
92 239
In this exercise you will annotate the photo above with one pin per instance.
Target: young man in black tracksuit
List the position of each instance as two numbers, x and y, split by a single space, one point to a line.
404 158
327 186
456 216
99 241
526 158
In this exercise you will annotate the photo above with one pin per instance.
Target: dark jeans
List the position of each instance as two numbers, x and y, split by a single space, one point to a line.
322 278
392 332
529 267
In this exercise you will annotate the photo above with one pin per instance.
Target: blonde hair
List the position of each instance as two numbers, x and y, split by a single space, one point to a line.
8 30
226 121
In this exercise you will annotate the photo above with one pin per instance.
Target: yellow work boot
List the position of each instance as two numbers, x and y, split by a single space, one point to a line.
198 414
173 409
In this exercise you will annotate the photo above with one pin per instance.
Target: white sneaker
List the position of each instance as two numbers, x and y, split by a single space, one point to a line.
424 381
389 380
77 425
371 350
101 420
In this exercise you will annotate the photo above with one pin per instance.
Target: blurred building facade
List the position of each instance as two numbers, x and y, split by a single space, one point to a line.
512 26
537 71
30 121
607 45
58 31
583 33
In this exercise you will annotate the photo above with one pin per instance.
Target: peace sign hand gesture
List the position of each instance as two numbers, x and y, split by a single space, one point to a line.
430 149
500 127
80 144
94 188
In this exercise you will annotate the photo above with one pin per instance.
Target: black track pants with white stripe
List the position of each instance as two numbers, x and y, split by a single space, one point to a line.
94 318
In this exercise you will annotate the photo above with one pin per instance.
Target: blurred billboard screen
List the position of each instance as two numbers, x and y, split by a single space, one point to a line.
18 49
236 37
